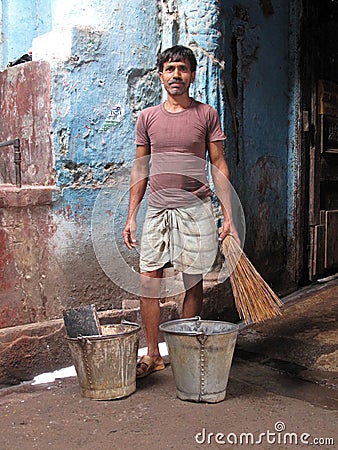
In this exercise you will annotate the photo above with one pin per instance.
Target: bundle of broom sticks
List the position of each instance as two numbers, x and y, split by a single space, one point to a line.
255 300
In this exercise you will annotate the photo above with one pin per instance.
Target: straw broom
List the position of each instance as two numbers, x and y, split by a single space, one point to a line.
255 300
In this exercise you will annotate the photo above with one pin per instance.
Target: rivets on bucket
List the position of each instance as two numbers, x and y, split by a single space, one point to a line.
84 342
106 364
200 371
88 371
202 339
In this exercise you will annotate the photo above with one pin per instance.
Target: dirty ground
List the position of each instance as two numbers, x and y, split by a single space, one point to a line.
282 394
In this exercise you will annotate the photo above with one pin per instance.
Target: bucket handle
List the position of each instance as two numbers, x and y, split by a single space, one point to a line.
197 318
84 339
127 322
196 331
191 332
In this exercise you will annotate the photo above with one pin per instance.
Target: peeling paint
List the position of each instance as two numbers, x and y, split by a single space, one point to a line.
144 89
267 175
24 261
6 259
98 85
26 114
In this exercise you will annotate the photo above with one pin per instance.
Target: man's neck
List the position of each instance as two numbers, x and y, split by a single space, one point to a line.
177 104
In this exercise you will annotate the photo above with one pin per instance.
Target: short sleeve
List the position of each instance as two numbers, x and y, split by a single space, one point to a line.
142 137
214 132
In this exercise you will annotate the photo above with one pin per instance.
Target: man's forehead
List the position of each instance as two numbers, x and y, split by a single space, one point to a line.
175 62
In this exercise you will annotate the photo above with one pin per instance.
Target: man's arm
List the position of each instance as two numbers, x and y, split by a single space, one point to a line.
138 186
221 177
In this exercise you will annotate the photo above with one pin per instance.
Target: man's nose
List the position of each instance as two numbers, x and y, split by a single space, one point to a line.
177 73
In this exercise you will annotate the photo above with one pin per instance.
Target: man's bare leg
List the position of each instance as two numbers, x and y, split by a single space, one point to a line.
150 310
193 300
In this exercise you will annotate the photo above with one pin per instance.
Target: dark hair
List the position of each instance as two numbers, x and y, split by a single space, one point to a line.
177 53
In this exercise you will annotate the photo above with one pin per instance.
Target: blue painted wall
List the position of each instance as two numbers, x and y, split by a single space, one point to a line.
107 76
258 74
102 56
20 22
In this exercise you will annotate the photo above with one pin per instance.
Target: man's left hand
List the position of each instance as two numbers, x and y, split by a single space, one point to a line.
228 229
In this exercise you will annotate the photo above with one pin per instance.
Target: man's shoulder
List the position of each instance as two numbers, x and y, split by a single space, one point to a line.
204 106
205 111
150 110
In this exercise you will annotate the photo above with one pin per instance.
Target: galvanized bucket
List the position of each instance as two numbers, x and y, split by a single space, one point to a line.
201 354
106 364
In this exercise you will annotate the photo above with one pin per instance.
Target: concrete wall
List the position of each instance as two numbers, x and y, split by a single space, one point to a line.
26 219
100 59
26 114
262 89
101 75
20 22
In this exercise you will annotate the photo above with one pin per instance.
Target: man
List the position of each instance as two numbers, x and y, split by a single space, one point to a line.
179 228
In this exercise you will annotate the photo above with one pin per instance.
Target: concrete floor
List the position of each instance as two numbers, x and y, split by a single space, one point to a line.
303 342
283 380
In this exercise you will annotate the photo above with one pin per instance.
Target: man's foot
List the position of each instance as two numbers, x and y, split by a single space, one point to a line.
148 365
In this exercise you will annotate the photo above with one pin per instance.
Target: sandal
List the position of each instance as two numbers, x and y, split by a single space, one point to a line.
150 364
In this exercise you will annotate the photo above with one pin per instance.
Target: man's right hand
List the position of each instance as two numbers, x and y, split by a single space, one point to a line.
129 234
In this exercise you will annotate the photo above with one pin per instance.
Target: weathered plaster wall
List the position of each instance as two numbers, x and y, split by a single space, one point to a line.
20 22
101 63
257 73
76 114
105 77
100 76
27 282
26 114
47 258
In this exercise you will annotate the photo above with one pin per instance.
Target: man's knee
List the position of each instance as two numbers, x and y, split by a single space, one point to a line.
150 283
192 281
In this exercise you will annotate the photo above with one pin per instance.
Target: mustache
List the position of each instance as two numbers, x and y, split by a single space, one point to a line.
176 80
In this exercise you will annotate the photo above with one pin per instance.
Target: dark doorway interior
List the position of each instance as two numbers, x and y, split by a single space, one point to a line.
319 69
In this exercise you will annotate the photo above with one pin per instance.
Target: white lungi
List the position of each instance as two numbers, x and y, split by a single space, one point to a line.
185 237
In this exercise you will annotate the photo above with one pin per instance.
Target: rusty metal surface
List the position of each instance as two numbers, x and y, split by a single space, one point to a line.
106 365
26 113
17 158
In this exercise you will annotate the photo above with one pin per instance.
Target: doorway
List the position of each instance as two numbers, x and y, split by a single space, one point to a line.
320 133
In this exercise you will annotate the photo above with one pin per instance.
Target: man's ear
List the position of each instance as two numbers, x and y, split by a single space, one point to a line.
161 76
193 76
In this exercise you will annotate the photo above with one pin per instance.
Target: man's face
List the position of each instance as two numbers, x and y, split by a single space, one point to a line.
177 77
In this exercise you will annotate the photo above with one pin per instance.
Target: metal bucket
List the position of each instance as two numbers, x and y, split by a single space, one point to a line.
106 364
200 353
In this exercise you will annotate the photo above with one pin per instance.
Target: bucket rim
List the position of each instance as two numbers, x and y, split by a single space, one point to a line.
164 327
99 337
